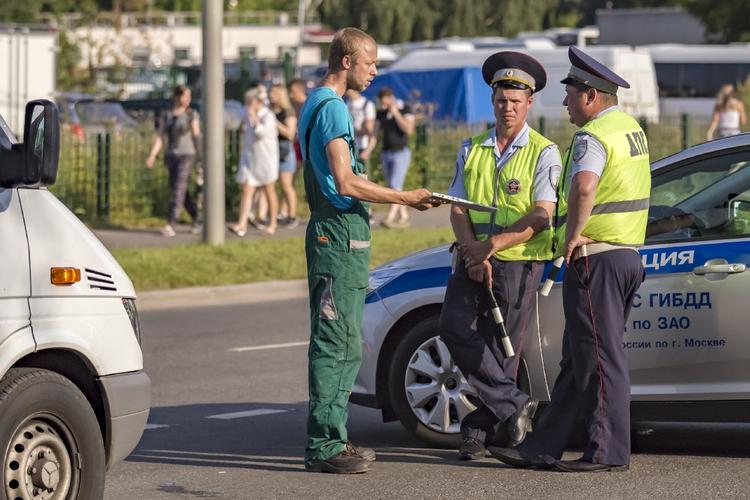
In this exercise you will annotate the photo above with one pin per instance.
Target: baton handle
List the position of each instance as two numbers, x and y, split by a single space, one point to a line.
547 286
497 315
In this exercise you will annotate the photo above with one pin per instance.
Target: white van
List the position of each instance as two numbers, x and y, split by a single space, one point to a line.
633 64
74 399
689 76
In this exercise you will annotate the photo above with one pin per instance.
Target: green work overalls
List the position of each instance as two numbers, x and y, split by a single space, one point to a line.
337 247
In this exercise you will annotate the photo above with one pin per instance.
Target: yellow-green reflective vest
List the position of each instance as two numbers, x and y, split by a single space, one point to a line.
514 193
620 211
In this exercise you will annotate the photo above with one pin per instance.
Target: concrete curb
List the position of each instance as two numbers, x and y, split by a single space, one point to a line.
222 295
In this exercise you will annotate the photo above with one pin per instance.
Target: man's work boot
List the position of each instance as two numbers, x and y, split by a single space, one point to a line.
366 453
346 462
471 449
520 422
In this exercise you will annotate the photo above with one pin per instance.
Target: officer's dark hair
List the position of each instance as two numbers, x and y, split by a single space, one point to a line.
346 42
529 92
606 97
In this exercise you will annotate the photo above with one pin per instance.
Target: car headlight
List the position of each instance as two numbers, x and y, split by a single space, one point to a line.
130 308
383 275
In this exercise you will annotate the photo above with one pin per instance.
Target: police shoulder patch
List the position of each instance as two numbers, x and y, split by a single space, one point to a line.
554 175
580 147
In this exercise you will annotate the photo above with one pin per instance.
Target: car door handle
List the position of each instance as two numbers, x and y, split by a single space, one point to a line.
719 269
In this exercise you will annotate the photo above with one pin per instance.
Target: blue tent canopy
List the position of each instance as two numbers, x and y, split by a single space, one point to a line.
458 94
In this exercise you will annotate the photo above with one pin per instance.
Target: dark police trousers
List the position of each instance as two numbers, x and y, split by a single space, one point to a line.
469 331
594 379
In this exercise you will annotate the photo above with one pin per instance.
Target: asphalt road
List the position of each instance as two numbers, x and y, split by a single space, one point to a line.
230 424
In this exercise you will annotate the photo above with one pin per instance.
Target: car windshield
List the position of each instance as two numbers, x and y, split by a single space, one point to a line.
678 185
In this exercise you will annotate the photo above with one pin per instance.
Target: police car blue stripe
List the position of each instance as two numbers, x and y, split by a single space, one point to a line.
662 259
432 277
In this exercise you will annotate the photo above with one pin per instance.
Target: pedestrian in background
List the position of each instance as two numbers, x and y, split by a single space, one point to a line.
259 161
337 248
729 114
363 115
181 127
297 95
286 123
396 121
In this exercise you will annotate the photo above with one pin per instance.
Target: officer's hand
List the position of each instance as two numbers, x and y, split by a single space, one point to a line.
572 245
476 252
421 199
481 273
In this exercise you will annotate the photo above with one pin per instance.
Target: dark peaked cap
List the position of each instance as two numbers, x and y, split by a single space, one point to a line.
514 69
588 71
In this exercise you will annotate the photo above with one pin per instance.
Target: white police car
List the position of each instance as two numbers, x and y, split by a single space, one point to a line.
687 335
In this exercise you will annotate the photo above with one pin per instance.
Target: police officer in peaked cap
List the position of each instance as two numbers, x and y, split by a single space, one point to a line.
514 168
600 221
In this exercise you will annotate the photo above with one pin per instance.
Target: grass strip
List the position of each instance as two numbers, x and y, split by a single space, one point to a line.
248 261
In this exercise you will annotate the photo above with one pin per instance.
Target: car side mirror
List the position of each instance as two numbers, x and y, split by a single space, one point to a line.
41 138
738 211
34 162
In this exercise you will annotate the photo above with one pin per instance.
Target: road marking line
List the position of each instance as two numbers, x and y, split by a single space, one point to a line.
155 426
268 346
248 413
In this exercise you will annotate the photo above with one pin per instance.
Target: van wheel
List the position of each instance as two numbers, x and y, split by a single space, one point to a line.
53 448
429 395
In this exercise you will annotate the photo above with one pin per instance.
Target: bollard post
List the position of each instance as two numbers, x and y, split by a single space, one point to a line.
542 125
685 130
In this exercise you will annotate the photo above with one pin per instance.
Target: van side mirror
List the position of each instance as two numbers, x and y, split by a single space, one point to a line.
41 139
34 162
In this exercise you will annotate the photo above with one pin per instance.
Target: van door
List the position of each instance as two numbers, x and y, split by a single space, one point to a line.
687 333
15 287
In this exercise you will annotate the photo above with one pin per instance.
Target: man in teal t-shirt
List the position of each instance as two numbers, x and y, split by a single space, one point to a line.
337 247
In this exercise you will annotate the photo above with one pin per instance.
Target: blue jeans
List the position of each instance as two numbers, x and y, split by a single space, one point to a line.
395 165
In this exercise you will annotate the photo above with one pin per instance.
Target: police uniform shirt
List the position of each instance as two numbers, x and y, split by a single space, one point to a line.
588 153
547 169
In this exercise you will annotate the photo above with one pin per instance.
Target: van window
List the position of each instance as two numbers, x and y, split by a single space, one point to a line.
698 79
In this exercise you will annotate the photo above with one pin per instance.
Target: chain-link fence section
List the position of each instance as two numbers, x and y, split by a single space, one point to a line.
104 180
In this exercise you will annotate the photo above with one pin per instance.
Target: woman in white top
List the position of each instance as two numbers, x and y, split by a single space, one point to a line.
729 114
259 161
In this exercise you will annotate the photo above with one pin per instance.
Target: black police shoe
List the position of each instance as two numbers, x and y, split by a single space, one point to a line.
366 453
514 457
582 465
520 422
346 462
471 449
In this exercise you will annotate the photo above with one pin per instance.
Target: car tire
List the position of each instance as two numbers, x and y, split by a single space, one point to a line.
52 443
410 342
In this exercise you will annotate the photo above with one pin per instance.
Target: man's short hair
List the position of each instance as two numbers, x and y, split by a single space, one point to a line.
385 92
346 42
296 81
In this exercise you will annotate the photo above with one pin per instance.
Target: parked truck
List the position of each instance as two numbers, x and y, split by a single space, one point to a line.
27 69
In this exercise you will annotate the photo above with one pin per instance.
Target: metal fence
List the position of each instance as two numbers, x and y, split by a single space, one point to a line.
104 180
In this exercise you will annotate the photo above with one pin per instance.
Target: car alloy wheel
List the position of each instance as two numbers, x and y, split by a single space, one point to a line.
436 391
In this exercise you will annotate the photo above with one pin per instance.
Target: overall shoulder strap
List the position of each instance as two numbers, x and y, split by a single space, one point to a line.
311 124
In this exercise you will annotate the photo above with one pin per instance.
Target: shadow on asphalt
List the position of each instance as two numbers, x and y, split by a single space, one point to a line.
275 442
270 442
